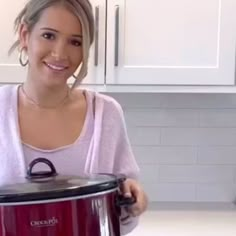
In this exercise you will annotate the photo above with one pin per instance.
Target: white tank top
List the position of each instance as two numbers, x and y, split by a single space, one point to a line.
69 159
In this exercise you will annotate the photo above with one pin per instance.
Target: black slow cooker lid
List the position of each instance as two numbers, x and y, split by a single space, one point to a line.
45 185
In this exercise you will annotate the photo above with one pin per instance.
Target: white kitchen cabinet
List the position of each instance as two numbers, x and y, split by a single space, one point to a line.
169 42
12 72
150 45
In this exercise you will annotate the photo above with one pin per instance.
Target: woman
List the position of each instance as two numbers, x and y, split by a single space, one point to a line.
79 131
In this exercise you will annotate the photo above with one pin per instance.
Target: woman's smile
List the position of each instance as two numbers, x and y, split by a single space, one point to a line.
56 66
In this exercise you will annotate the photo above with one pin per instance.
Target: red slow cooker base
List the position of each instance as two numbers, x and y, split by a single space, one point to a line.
92 216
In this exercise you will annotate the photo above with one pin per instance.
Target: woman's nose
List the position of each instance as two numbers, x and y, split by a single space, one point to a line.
59 51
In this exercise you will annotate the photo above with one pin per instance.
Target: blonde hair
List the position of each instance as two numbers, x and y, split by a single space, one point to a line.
82 9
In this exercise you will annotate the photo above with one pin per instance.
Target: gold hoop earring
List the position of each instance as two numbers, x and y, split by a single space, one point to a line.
21 58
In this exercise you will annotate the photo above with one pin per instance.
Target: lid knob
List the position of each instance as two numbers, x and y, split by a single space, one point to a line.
41 174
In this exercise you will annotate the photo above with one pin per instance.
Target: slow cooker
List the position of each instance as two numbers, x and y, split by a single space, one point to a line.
46 203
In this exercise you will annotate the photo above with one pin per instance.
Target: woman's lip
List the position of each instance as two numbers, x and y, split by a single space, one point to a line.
56 67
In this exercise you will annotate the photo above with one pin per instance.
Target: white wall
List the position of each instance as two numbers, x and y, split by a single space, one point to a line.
185 144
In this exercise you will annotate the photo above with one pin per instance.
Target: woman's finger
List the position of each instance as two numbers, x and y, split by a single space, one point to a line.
126 189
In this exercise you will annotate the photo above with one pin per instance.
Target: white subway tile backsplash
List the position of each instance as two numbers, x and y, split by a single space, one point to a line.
198 101
196 174
218 118
216 192
151 191
146 154
144 100
217 136
165 155
144 119
198 136
170 192
215 174
149 173
163 118
185 144
175 192
144 135
174 155
179 118
217 155
192 101
177 174
179 136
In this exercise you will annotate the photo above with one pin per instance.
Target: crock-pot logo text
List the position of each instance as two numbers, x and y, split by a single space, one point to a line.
44 223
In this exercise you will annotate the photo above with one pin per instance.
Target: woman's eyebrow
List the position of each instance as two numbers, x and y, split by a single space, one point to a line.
54 30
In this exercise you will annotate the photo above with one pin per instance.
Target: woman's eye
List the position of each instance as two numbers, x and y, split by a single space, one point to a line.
48 36
76 43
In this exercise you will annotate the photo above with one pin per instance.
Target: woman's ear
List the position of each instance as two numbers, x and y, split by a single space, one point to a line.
23 35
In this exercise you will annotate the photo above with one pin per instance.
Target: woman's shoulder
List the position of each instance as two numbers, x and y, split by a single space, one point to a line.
108 103
6 91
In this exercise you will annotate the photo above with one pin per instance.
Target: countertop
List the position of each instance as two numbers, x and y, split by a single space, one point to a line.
188 220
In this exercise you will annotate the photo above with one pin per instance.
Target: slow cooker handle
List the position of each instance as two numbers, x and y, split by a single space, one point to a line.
123 201
41 174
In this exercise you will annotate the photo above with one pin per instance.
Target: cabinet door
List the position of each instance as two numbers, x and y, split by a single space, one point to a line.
12 72
10 69
169 42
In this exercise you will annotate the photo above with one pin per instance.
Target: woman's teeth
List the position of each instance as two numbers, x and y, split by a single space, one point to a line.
56 67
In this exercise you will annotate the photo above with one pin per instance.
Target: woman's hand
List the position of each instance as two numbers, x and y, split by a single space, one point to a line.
131 188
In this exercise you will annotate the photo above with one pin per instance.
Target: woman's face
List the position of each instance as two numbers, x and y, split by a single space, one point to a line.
54 46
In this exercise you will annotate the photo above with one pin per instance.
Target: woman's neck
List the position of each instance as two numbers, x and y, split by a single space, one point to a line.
45 97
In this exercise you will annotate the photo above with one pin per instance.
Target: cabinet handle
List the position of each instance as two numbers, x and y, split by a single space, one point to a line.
96 36
117 26
235 66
